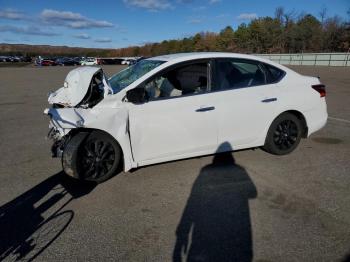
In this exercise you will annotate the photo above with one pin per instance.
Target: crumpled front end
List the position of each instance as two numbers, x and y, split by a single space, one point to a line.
62 122
83 106
66 124
83 88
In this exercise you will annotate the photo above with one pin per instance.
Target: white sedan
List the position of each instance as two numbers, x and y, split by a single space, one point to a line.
179 106
89 61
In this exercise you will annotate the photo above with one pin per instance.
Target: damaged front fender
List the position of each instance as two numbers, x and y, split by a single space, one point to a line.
110 120
86 103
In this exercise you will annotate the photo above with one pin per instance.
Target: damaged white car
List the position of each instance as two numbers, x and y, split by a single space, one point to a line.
179 106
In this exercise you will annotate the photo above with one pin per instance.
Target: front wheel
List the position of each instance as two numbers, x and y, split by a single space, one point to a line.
284 135
96 157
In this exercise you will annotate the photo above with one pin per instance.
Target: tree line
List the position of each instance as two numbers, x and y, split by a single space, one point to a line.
51 51
286 32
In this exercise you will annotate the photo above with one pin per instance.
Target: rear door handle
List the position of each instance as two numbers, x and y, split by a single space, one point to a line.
204 109
269 100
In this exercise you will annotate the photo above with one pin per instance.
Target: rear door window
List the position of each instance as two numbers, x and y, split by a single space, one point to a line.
238 73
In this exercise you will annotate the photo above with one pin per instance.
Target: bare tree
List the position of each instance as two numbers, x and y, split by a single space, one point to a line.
323 14
279 13
289 17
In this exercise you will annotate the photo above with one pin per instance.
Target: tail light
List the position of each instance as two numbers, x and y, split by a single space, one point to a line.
321 89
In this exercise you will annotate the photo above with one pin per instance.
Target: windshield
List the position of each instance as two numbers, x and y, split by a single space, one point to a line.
129 75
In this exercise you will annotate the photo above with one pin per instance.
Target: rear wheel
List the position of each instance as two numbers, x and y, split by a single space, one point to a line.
284 134
94 158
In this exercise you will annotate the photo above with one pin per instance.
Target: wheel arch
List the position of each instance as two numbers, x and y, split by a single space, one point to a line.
302 119
123 144
294 112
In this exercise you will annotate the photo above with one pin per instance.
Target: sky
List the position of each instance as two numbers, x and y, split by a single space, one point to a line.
121 23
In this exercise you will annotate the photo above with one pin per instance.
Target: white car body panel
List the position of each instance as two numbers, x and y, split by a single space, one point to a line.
171 129
238 121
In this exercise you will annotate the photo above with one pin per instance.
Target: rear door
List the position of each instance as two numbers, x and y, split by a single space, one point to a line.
245 101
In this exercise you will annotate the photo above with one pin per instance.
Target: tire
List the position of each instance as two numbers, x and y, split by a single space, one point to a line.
284 134
92 157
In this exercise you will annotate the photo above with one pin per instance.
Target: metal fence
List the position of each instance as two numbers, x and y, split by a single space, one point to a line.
313 59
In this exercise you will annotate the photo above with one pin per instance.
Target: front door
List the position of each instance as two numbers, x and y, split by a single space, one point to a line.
178 120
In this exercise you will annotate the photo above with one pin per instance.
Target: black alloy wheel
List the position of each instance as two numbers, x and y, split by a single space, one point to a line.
97 158
284 134
94 156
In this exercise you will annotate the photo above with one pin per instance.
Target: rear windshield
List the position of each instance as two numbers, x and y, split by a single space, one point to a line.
129 75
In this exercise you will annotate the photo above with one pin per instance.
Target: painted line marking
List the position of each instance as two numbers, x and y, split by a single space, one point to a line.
339 119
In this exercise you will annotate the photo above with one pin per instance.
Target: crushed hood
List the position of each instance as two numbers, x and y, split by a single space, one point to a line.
78 83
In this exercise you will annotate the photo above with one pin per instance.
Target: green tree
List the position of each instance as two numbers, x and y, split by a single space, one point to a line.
242 38
225 40
308 34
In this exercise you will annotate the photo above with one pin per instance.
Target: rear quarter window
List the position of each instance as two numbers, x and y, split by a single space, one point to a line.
274 74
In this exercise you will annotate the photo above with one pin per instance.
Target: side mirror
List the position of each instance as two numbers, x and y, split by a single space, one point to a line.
136 95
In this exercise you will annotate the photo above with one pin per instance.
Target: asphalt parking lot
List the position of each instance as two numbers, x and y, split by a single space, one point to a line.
238 206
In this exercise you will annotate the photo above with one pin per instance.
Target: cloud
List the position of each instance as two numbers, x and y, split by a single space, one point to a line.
151 5
247 16
214 1
103 40
195 21
82 36
222 16
71 20
29 30
200 8
12 14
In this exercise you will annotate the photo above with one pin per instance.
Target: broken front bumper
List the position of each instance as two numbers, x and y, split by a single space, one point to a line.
58 142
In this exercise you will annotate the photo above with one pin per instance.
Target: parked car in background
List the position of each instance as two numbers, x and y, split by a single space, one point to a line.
65 61
15 59
26 59
47 62
178 106
77 60
124 62
128 61
90 61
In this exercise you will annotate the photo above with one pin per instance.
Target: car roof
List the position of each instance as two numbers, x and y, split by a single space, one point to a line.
198 55
181 57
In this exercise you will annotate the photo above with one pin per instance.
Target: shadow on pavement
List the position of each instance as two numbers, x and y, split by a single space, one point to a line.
346 258
215 225
34 220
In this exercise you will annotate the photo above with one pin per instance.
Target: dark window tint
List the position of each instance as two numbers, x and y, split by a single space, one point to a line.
274 74
236 73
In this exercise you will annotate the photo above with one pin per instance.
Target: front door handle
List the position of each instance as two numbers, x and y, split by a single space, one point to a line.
269 100
204 109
